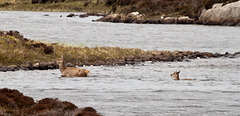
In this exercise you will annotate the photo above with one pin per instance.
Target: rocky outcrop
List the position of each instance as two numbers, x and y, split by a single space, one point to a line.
29 44
14 103
135 17
220 14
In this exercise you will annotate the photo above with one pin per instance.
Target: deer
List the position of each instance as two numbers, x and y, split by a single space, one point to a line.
71 71
176 76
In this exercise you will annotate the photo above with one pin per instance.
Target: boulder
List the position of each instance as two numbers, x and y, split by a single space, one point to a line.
220 14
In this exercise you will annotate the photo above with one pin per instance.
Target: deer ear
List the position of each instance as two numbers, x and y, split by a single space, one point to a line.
178 71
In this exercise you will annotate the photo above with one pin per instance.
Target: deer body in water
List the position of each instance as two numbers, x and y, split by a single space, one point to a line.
71 71
176 76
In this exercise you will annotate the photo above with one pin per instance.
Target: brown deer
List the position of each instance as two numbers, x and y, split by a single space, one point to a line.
176 76
71 71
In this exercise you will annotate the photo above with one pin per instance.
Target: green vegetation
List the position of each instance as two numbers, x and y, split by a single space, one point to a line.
15 52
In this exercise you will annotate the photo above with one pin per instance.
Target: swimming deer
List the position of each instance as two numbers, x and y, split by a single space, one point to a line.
176 76
71 71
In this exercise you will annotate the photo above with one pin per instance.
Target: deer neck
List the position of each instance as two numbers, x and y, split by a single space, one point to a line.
62 66
176 77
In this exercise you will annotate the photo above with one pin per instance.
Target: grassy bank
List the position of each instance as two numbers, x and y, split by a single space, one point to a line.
18 53
14 51
76 6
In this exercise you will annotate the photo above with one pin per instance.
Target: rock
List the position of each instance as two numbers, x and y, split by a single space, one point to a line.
46 15
36 65
12 68
43 66
3 68
138 18
119 18
83 15
71 15
48 49
69 64
27 66
220 14
53 65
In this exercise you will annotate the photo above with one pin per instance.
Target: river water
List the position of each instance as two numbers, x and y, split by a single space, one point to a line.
133 90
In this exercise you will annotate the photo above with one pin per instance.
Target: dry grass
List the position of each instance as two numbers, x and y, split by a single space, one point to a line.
76 6
13 52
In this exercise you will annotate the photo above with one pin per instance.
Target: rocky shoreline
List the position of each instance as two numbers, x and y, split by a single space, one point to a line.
219 14
14 103
176 56
138 19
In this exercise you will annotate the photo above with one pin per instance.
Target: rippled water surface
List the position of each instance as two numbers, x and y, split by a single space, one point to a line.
134 90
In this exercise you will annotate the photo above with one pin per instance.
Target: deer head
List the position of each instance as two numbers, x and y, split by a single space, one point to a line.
175 75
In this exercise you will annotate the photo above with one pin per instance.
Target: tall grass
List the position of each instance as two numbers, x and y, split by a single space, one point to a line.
12 51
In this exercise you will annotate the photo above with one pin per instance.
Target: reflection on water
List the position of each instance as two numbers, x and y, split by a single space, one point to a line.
143 89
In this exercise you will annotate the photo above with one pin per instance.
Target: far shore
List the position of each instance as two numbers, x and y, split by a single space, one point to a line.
142 11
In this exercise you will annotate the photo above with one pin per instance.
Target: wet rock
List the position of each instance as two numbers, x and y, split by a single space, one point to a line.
3 68
140 21
83 15
12 68
120 62
53 65
119 18
152 22
220 14
43 66
69 64
46 15
26 66
71 15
